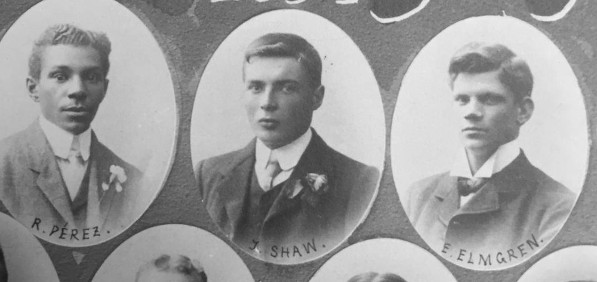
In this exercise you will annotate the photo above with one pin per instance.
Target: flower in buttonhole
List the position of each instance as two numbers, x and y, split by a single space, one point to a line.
117 177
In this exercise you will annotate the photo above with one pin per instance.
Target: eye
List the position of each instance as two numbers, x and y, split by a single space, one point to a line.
290 87
255 87
59 76
461 99
491 99
94 77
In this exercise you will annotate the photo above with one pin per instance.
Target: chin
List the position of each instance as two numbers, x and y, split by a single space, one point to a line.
77 129
475 145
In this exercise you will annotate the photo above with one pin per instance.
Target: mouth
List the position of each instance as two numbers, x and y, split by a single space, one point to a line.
474 130
76 110
268 123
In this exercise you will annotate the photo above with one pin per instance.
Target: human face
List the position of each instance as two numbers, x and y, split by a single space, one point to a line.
279 99
489 113
70 87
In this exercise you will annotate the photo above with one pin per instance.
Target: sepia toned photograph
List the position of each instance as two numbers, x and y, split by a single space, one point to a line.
79 160
22 257
173 252
494 183
287 136
383 260
572 264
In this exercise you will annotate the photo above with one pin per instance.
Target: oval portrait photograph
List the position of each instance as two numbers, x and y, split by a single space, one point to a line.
572 264
83 95
287 136
22 257
173 252
384 259
489 142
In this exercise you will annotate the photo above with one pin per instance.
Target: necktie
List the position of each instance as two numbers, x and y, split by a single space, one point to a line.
75 170
271 171
467 186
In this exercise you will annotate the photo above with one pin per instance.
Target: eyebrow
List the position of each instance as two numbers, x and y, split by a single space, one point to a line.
285 81
66 67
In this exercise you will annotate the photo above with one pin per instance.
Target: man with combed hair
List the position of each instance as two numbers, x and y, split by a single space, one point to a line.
56 172
176 268
287 186
493 198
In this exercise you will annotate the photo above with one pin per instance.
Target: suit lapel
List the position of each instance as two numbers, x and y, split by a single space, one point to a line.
513 179
315 159
230 191
447 199
102 205
49 179
485 200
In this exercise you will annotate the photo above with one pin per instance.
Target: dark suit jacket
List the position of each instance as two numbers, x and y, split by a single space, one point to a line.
329 216
515 204
3 270
32 185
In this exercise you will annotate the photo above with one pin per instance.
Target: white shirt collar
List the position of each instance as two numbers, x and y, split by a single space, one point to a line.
61 141
288 155
502 157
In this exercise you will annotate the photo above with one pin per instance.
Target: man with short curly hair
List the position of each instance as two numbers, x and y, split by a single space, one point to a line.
56 172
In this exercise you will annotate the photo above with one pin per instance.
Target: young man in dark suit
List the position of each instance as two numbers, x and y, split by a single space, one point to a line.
287 186
56 173
493 200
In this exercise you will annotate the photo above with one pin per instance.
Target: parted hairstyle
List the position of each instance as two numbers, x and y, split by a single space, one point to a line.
68 34
480 57
376 277
175 264
287 45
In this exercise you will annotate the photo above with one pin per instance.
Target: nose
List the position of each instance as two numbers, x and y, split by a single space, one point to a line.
268 101
473 111
77 88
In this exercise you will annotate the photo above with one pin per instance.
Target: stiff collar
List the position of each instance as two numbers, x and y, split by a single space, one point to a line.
288 155
61 141
502 157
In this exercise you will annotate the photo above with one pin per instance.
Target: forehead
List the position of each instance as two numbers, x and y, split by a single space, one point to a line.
69 56
160 276
480 83
274 68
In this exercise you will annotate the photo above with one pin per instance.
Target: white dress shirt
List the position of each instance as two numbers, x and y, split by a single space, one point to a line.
502 157
287 156
63 145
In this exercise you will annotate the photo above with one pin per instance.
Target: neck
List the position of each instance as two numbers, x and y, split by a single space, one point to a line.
476 158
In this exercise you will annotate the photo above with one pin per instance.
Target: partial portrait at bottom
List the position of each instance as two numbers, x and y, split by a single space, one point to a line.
491 186
383 260
79 157
287 136
22 257
571 264
173 252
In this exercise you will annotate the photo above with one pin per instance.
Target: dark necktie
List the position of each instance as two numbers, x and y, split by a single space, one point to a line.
466 186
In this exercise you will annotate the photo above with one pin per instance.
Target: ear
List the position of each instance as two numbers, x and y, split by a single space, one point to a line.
525 110
106 83
318 97
32 88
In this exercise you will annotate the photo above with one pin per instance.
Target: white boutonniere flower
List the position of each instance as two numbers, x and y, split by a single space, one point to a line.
117 178
310 188
316 181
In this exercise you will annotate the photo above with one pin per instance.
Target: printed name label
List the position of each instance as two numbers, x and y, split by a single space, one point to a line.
65 232
498 257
